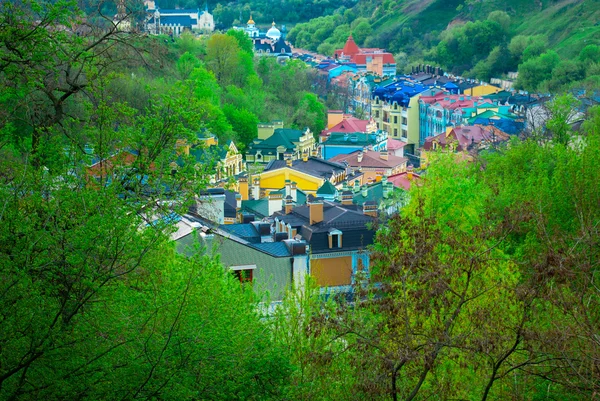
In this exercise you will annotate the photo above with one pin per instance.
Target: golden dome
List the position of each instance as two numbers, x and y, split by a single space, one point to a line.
250 21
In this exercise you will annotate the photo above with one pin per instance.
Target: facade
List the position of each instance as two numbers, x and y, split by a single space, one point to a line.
442 110
176 21
338 236
466 140
373 165
375 60
308 173
359 90
282 144
250 251
395 108
229 161
339 122
338 143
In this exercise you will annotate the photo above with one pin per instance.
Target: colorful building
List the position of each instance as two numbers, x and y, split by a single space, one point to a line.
442 110
395 108
373 165
375 60
282 144
465 140
338 143
308 173
338 236
270 262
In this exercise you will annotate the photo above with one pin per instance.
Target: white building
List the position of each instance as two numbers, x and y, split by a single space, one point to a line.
175 21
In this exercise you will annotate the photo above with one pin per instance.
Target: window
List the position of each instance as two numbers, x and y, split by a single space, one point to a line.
395 131
376 113
244 273
404 121
335 238
404 133
395 119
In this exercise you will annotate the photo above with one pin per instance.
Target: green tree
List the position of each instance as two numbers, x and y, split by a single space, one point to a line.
223 57
311 113
244 123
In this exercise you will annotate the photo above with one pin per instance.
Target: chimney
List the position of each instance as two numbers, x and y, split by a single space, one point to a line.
256 188
314 152
409 172
370 208
289 204
383 155
364 191
274 203
347 198
360 157
243 187
294 191
305 156
288 162
315 207
238 202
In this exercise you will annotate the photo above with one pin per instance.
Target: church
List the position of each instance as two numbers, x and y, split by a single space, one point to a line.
175 21
271 43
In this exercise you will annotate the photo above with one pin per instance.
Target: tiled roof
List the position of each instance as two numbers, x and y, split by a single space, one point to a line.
277 249
394 144
402 181
370 159
352 139
348 125
281 137
374 193
174 20
258 207
313 166
327 189
244 231
465 136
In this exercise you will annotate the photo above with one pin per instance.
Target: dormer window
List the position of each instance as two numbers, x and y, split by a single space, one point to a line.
335 238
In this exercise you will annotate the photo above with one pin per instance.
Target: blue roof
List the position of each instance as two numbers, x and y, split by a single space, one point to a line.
278 249
399 91
511 127
244 231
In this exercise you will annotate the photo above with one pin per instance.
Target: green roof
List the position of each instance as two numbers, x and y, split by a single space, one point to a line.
327 189
281 137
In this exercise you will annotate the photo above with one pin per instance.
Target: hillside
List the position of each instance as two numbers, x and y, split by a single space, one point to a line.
479 38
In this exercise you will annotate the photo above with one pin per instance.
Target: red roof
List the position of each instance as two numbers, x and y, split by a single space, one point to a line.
350 48
466 136
401 180
370 159
348 125
394 144
359 56
452 102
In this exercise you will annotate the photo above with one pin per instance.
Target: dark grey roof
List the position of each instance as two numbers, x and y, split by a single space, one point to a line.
355 226
313 166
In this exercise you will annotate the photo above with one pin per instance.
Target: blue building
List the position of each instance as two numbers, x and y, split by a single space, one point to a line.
339 143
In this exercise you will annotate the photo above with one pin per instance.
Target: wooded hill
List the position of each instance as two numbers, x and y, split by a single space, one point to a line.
477 38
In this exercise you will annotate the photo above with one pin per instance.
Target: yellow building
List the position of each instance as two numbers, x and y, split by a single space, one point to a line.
309 174
399 120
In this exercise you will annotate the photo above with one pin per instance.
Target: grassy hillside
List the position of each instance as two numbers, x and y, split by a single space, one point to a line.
569 24
476 38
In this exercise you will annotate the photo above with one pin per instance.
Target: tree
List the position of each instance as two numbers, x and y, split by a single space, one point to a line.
222 57
311 113
243 41
244 123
